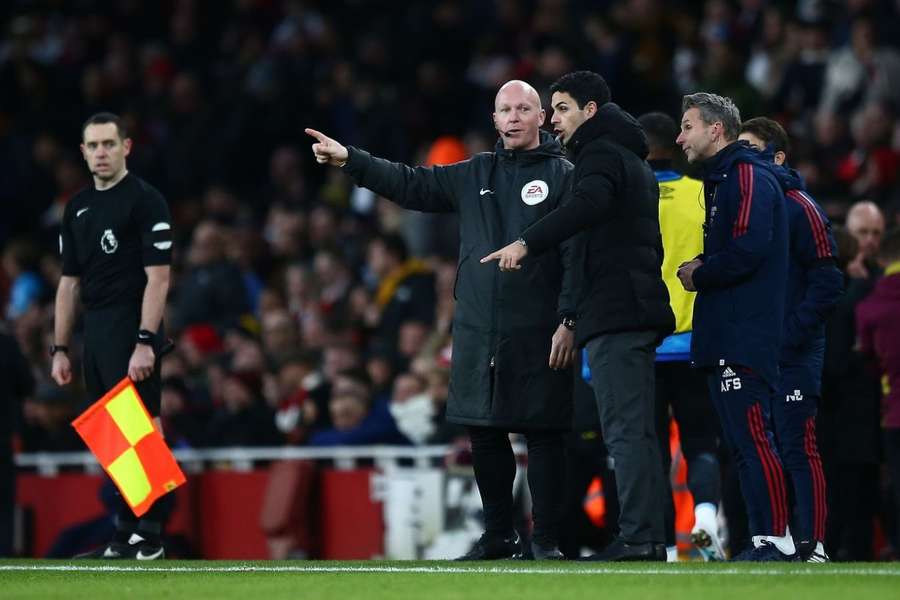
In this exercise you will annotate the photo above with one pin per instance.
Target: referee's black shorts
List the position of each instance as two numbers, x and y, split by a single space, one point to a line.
109 338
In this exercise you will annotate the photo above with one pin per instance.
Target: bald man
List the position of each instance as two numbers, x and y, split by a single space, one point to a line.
512 332
865 222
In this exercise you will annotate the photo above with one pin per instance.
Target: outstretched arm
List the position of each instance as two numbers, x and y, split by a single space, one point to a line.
427 189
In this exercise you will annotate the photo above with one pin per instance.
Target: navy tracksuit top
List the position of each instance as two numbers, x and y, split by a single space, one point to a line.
741 286
814 281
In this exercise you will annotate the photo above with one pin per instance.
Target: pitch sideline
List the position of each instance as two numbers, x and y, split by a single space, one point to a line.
617 570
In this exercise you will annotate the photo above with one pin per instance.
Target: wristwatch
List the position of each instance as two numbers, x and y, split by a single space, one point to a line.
54 348
521 242
568 323
146 337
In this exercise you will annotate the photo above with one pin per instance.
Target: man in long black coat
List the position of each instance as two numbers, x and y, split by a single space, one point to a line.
512 332
623 304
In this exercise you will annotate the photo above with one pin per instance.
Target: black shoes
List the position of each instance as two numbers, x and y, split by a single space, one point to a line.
621 551
492 547
136 548
546 553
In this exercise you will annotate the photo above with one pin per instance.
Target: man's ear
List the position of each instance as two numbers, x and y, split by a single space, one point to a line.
590 108
543 117
780 157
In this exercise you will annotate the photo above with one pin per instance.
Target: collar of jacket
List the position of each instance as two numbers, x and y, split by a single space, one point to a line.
788 178
548 148
716 168
616 125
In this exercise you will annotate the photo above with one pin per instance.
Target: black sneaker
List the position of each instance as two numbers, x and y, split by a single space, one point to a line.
135 547
765 552
491 547
546 553
811 551
621 551
150 551
111 551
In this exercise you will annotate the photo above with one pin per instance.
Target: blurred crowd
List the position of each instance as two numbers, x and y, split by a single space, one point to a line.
308 312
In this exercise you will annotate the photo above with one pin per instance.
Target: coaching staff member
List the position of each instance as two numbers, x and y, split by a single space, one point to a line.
116 245
740 280
814 286
512 338
623 306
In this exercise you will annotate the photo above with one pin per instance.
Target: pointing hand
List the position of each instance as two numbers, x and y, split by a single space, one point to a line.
327 150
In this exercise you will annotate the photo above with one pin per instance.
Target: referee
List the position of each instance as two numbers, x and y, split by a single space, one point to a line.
116 246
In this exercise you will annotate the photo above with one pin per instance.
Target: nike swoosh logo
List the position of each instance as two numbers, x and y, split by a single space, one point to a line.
81 211
152 556
484 191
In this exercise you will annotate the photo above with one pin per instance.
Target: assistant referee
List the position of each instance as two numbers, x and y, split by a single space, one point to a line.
116 246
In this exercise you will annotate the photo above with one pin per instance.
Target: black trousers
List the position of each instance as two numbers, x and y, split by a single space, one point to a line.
495 470
109 339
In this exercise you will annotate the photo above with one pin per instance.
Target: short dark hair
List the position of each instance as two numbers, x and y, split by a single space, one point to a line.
394 244
583 86
357 375
769 131
101 118
890 246
661 130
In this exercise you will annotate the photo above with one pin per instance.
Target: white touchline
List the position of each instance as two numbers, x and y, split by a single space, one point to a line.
816 571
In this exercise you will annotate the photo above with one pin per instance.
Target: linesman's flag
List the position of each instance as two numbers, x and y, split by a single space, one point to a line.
120 433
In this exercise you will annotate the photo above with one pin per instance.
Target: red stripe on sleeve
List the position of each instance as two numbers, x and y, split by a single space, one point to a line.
745 179
816 223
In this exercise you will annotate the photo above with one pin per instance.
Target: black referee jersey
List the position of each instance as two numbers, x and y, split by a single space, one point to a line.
107 238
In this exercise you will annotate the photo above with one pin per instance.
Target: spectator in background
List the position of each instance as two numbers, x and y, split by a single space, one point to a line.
405 289
212 288
299 392
18 384
411 408
870 169
866 223
243 419
20 262
862 72
279 334
46 418
848 424
183 423
878 331
357 420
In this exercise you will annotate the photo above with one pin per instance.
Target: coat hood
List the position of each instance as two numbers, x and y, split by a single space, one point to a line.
788 178
614 124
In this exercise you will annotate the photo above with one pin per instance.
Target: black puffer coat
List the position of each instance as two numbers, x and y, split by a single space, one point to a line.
615 204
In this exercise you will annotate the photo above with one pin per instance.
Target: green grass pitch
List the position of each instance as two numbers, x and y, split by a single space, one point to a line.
372 580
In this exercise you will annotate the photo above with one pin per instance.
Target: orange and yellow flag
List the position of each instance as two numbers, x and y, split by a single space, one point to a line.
120 433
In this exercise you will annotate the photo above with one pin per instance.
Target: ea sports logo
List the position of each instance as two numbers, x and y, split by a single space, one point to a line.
535 192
